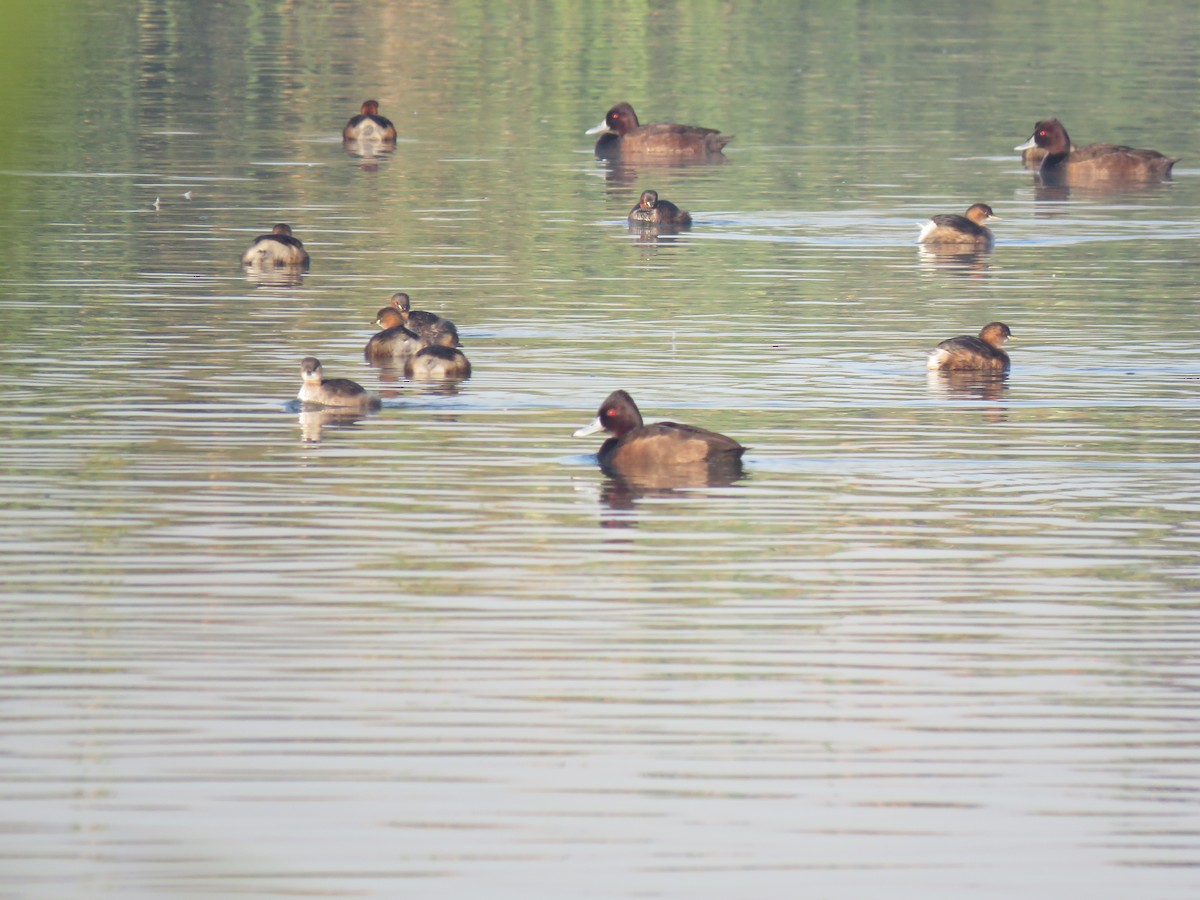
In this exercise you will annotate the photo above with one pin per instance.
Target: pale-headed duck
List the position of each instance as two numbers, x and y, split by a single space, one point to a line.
340 392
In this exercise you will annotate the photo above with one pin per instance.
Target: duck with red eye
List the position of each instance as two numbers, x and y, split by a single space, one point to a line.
635 449
276 250
1032 155
967 353
622 135
1095 162
651 211
369 125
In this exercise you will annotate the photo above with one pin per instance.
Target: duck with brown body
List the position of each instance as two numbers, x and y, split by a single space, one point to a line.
369 125
651 210
967 353
950 228
438 362
651 453
1032 156
275 250
1103 163
430 326
623 136
336 392
395 344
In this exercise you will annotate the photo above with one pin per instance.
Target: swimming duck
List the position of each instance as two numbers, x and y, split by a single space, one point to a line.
438 362
279 248
394 343
978 354
635 447
1031 157
948 228
331 391
650 210
429 326
1095 162
623 135
369 125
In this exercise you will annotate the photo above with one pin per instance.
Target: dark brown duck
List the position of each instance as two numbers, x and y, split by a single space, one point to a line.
634 447
652 210
1095 162
622 135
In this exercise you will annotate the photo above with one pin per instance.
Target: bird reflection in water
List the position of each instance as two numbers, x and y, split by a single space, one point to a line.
369 151
280 276
312 421
990 387
619 176
392 377
1052 197
447 388
622 491
652 237
643 460
369 135
389 378
947 258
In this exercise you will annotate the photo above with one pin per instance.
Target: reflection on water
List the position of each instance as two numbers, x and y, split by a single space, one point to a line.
651 237
968 385
276 276
622 174
946 258
622 489
623 495
314 421
390 376
1054 191
940 624
368 148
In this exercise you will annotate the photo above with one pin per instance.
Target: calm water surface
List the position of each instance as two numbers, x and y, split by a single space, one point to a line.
938 641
